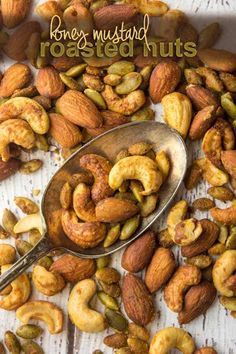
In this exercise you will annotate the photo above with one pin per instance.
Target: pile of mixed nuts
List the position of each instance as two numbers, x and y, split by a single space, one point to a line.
73 100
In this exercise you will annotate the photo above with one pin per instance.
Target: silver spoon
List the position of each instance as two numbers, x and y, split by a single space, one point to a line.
159 135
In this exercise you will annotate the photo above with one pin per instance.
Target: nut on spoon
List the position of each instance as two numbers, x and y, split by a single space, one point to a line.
159 135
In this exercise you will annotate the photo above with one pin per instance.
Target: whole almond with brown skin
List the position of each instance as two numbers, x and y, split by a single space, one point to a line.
160 269
18 40
202 121
64 132
115 210
218 59
110 16
110 120
193 176
48 83
137 256
228 159
79 109
14 78
164 79
137 300
197 301
74 269
14 11
208 237
9 168
201 97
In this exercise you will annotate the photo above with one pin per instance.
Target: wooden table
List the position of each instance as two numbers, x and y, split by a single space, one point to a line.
216 328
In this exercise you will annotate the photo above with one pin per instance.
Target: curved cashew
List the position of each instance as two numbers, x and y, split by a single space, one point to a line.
42 310
15 131
127 105
83 204
87 234
29 222
7 254
170 338
176 214
86 319
47 283
224 267
183 278
27 109
141 168
20 291
226 216
211 173
100 168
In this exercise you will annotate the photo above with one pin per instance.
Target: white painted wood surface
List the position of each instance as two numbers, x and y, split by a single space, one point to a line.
217 327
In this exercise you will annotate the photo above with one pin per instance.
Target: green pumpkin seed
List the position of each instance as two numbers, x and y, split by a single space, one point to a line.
31 347
97 351
30 166
129 227
130 82
137 345
231 241
112 79
192 77
96 97
223 234
23 247
108 301
45 262
137 187
29 331
103 262
34 237
148 205
139 332
124 187
108 275
151 154
228 104
207 273
112 235
41 143
9 220
12 343
81 83
143 114
76 70
201 261
126 195
69 82
121 68
145 73
111 289
116 320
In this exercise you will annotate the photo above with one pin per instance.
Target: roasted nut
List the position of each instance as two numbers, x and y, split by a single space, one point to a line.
176 214
187 232
218 59
48 9
42 310
227 134
197 301
223 269
202 261
165 239
211 173
228 159
129 228
108 275
228 105
212 146
145 113
47 283
202 122
221 193
8 168
12 343
45 262
30 166
64 132
203 204
30 346
112 235
138 332
118 340
29 222
29 331
163 163
140 148
201 97
217 249
34 237
111 289
116 320
103 262
228 302
212 80
208 36
108 301
23 247
225 216
113 210
121 68
66 196
26 205
15 77
160 269
229 81
137 345
192 77
193 176
206 350
7 254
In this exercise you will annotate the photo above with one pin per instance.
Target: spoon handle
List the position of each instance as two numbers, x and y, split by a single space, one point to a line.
42 248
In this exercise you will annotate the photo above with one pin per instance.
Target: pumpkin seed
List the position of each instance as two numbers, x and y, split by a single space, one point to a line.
112 79
108 301
223 234
137 345
3 233
110 289
112 235
228 104
45 262
221 193
201 261
96 97
9 220
116 320
165 239
97 351
129 227
12 343
69 82
148 205
31 347
108 275
126 195
130 82
29 331
203 204
26 205
121 68
34 237
41 143
145 113
207 273
231 241
145 73
23 247
76 70
192 77
103 262
139 332
30 166
124 350
137 187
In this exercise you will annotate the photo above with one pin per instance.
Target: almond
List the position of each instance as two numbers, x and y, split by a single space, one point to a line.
202 121
193 176
110 120
115 210
18 40
14 12
208 237
110 16
218 59
201 97
197 301
74 269
160 269
48 83
138 302
79 109
15 77
8 168
64 132
228 159
164 79
137 256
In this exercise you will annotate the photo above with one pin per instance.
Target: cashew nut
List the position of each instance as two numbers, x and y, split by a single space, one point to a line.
141 168
7 254
126 105
226 216
20 291
83 204
100 168
172 338
42 310
87 234
183 278
47 283
223 269
187 232
15 131
176 214
29 222
211 173
27 109
86 319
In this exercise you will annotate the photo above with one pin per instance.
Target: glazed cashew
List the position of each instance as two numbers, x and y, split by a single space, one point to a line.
47 283
20 291
83 204
29 222
176 214
127 105
87 234
44 311
226 216
211 173
183 278
27 109
140 168
223 269
86 319
172 338
100 168
15 131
